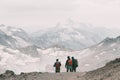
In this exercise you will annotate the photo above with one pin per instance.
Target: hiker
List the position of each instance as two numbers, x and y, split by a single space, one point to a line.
57 65
74 64
68 64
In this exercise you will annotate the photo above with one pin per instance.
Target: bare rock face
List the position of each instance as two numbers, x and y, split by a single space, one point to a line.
7 75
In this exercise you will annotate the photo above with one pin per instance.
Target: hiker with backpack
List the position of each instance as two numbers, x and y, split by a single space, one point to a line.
57 66
68 64
74 64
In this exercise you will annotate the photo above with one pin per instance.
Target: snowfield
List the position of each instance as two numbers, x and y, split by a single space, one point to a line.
14 60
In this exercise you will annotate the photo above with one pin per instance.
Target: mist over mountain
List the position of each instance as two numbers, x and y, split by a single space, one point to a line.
71 35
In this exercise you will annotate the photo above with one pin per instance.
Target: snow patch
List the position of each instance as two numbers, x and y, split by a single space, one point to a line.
97 57
102 53
114 49
112 44
53 52
87 64
79 36
64 37
20 42
86 52
15 30
100 45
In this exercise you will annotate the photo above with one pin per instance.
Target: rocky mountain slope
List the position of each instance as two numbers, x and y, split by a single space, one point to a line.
110 71
99 54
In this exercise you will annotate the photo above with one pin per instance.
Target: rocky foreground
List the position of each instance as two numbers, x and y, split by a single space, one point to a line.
111 71
41 76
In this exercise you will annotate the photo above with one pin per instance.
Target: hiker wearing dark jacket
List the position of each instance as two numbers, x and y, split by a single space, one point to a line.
75 64
68 64
57 65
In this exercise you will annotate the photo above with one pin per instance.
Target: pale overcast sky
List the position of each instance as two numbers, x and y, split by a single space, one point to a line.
49 12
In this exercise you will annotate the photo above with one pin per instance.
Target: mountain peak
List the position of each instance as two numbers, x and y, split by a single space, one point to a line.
9 29
2 25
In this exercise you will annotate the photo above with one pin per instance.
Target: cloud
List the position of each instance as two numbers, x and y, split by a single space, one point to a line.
49 12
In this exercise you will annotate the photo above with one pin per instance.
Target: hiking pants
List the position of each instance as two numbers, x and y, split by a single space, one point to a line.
73 69
57 70
69 68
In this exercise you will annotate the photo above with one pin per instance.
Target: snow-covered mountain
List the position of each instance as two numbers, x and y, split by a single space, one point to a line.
13 42
72 35
17 51
89 59
16 38
13 37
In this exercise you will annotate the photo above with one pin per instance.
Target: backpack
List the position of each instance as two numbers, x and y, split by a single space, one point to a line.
76 63
57 64
70 62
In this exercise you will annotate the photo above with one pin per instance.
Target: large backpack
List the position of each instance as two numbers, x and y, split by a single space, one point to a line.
70 62
57 64
76 63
